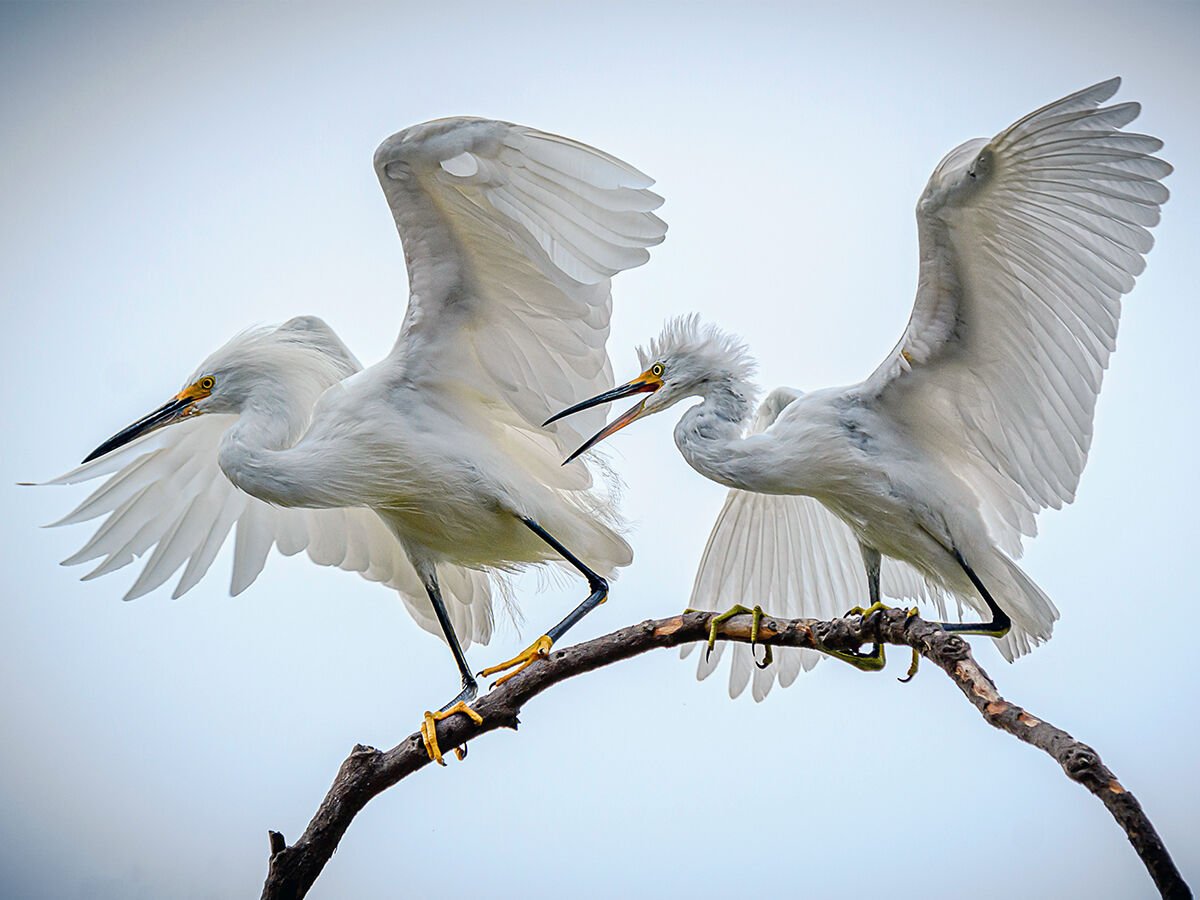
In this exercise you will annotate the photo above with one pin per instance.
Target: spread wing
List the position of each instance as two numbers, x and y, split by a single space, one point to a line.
1028 242
511 237
166 496
794 558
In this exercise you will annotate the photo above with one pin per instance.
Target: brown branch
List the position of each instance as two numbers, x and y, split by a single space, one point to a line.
367 772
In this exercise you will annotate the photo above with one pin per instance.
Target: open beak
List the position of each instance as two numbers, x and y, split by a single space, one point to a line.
177 408
646 383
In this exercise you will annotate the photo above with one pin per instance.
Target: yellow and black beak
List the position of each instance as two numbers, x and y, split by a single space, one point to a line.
178 407
646 383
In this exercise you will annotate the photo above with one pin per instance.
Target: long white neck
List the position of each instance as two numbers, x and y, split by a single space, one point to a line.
254 452
710 434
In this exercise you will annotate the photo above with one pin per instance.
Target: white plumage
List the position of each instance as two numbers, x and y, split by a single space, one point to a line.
169 498
798 557
980 417
418 470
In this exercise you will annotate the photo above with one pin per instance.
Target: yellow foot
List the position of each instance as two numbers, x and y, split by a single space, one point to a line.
539 649
876 659
755 623
429 729
912 667
916 657
864 662
873 608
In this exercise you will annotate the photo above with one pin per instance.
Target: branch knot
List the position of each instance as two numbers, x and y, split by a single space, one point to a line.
953 648
1080 763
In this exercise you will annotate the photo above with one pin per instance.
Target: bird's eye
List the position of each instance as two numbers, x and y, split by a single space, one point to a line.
207 383
657 370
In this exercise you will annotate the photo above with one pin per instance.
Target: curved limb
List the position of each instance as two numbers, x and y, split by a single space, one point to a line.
1000 625
540 648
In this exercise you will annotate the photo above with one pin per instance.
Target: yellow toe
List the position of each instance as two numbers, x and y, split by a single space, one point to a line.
429 738
429 729
539 649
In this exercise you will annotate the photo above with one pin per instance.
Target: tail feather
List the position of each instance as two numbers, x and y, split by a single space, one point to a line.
1033 614
795 558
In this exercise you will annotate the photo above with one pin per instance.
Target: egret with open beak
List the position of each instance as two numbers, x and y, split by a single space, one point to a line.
646 383
926 476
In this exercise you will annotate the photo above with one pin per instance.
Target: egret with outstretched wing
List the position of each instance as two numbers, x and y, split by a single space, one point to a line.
428 471
922 480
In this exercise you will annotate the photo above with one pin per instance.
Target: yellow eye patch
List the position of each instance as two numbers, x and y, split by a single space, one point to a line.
198 391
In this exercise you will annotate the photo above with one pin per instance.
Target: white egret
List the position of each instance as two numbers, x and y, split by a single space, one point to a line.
925 477
428 471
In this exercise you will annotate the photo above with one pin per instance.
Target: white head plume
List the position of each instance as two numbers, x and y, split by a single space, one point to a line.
697 357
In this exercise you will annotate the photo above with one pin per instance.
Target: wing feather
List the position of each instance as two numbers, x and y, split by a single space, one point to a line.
796 559
252 545
171 500
231 509
1028 243
511 237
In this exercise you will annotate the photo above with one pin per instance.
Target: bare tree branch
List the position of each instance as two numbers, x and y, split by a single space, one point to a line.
367 772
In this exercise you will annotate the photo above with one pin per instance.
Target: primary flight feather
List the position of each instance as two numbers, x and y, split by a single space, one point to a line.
428 471
921 481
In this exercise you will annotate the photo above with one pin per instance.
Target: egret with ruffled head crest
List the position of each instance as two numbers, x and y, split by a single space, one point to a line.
922 480
428 471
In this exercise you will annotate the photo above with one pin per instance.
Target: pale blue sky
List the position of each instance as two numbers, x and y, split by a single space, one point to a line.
170 175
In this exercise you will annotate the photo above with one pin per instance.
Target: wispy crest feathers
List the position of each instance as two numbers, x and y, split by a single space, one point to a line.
703 345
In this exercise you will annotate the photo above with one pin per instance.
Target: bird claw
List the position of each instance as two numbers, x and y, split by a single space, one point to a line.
429 730
539 649
876 659
864 662
739 610
875 607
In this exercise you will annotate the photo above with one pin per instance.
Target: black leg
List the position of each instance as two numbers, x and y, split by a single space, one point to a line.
469 686
876 659
1000 624
874 562
541 647
873 582
597 584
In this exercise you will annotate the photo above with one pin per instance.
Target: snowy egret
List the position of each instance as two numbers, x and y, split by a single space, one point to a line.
430 470
926 476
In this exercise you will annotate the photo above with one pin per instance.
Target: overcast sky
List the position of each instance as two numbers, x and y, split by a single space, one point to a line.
170 175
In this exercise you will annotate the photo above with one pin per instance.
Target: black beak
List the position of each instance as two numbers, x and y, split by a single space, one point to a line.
169 412
639 385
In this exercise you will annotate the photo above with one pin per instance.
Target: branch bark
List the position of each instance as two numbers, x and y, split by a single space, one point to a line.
366 772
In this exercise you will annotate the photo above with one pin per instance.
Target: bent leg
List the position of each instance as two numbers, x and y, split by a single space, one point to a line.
540 648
